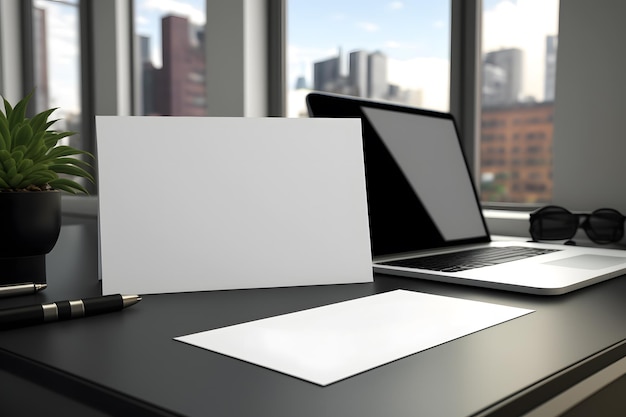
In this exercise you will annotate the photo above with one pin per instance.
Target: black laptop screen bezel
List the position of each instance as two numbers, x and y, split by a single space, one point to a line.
388 237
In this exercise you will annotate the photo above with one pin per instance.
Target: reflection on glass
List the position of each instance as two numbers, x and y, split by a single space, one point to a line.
519 67
170 58
56 38
390 50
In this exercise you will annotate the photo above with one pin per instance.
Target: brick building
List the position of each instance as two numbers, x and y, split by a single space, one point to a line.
177 88
516 153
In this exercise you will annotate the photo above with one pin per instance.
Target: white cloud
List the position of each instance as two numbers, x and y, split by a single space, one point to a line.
141 22
396 5
302 56
430 75
439 24
393 45
369 26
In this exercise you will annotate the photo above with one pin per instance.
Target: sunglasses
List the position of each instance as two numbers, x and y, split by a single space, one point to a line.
557 223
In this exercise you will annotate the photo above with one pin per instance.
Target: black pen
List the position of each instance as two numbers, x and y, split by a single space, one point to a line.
20 289
64 310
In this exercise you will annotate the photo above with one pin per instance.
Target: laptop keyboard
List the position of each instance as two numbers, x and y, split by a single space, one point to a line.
469 259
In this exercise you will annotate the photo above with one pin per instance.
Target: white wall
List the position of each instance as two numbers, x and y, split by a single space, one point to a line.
590 113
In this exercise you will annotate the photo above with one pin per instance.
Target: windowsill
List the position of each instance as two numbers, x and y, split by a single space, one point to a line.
499 222
516 224
507 222
79 205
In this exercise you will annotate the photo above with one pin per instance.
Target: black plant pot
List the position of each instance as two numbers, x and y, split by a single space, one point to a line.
30 223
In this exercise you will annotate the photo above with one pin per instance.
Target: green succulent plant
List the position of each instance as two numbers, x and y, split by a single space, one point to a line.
30 157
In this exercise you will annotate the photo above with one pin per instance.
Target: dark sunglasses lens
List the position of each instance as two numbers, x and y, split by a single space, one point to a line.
605 226
553 223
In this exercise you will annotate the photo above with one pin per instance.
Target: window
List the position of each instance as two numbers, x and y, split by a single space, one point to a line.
399 51
519 44
57 72
170 58
388 50
600 101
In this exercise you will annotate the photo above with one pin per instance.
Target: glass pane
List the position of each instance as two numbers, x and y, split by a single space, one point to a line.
57 64
388 50
170 58
519 44
57 70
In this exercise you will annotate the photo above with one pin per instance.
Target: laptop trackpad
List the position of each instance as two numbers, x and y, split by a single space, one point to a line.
589 261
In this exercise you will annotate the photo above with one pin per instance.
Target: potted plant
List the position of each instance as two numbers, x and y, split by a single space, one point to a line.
32 164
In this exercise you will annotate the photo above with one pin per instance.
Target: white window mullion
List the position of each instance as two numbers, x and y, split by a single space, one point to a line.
111 50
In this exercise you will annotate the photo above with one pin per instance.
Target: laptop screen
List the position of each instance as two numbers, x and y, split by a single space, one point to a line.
420 190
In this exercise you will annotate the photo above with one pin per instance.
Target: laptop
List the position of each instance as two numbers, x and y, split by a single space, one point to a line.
424 209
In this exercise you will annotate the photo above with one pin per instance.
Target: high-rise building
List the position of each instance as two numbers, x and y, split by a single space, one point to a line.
147 79
42 95
358 73
502 77
377 86
144 49
550 79
367 76
180 83
326 74
410 97
301 83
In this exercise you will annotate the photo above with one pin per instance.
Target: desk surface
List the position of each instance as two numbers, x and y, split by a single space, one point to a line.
127 363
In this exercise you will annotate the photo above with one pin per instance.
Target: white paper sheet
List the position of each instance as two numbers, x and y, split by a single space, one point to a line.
212 203
329 343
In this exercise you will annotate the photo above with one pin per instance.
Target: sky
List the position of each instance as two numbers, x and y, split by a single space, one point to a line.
414 34
64 56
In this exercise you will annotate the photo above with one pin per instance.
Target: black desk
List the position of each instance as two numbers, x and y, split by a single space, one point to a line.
127 363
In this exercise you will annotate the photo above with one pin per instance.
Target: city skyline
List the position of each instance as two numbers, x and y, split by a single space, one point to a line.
516 130
366 77
415 35
426 63
502 75
424 54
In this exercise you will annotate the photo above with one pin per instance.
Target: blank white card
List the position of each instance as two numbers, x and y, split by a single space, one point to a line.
330 343
214 203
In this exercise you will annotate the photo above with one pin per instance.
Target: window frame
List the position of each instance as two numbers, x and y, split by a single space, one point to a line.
107 45
465 64
465 100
